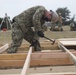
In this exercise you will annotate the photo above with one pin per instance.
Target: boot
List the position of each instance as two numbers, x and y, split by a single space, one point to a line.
12 50
36 45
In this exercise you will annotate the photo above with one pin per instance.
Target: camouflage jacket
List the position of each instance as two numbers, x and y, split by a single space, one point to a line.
31 17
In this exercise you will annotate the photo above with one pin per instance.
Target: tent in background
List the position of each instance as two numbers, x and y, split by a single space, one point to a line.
5 23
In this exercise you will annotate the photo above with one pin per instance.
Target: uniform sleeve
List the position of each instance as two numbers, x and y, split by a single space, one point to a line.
44 28
37 18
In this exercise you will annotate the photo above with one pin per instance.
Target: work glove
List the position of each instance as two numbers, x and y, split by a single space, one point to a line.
33 43
40 33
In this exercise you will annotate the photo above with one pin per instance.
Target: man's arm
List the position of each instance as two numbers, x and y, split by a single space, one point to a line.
37 18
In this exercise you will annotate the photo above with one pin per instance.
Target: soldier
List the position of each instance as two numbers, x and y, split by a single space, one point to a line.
22 27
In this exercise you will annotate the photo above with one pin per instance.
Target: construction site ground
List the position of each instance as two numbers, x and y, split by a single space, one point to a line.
5 37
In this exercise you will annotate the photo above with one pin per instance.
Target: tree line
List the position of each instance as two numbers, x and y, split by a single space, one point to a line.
65 13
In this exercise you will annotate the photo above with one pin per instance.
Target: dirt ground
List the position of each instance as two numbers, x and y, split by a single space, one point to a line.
5 37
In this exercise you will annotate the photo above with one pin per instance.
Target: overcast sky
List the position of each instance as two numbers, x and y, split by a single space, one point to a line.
14 7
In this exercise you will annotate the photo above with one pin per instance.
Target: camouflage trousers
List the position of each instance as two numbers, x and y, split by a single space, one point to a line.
18 36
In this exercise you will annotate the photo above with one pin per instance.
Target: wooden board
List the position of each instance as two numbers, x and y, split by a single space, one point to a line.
9 74
68 43
27 63
67 39
72 56
66 73
37 59
70 73
3 48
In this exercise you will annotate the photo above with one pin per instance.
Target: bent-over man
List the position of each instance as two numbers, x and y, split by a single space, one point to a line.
22 27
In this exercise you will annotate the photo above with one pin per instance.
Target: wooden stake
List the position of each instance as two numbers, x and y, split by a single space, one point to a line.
27 61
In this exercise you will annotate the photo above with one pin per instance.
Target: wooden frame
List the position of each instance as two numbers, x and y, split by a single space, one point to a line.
70 73
72 56
3 48
27 62
17 60
26 66
50 58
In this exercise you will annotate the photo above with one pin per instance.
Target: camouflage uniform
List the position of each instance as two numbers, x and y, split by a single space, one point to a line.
22 27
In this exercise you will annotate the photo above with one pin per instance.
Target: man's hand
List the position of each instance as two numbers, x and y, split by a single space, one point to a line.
34 43
40 33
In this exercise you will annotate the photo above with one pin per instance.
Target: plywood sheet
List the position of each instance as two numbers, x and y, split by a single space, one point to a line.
67 39
68 43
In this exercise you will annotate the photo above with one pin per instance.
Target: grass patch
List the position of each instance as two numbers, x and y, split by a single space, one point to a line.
5 36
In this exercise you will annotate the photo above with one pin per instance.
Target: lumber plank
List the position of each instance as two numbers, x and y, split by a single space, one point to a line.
69 73
67 39
27 63
66 73
44 47
14 56
35 62
22 56
37 59
9 74
68 43
41 43
3 48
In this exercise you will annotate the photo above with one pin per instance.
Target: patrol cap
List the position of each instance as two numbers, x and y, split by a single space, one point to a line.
55 16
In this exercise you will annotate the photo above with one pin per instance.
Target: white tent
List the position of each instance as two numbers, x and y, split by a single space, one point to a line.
6 23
